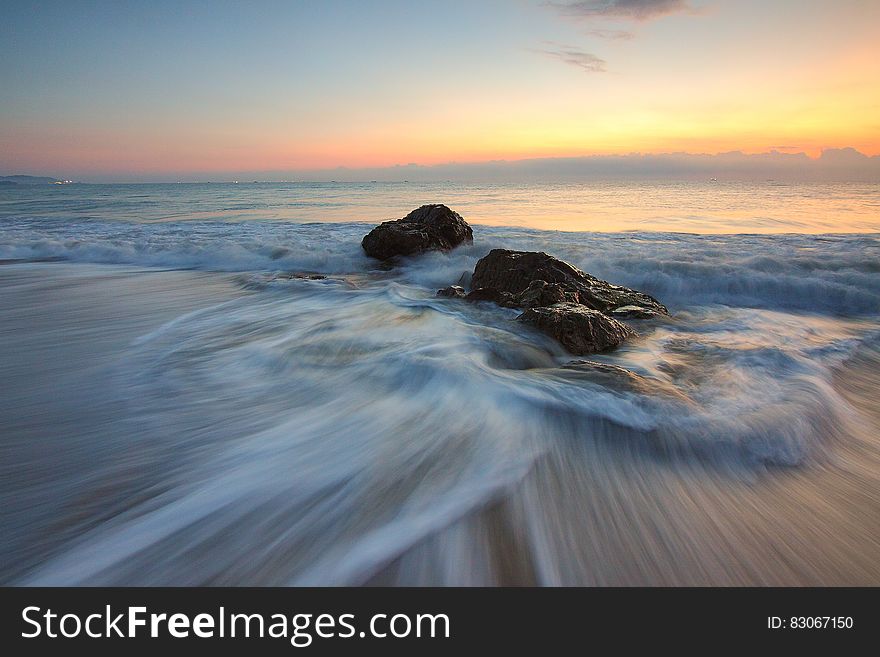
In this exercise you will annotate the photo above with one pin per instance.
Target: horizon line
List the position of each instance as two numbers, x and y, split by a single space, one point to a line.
836 156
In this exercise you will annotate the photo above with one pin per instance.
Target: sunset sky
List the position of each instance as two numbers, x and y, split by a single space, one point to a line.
153 89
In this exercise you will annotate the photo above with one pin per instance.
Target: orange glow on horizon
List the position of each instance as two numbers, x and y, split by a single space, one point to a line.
747 99
155 153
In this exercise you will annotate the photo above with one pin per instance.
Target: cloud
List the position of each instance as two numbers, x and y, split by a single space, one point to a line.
614 35
637 10
841 164
843 156
574 56
833 165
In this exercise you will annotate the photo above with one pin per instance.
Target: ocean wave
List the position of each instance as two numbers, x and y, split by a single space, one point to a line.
213 246
344 425
824 274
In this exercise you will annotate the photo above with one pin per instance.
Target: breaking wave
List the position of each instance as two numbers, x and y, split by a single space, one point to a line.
813 273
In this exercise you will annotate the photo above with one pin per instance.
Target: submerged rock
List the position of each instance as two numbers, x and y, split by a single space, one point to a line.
579 329
428 228
452 292
621 379
633 312
609 376
260 281
309 277
529 275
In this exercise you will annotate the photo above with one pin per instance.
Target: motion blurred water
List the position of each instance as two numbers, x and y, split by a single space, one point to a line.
176 409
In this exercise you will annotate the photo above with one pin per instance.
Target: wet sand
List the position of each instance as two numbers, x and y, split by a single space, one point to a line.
62 330
600 513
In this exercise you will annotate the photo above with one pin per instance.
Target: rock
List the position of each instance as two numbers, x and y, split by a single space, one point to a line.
452 292
513 272
260 281
542 293
579 329
609 376
539 293
621 379
493 295
429 228
633 312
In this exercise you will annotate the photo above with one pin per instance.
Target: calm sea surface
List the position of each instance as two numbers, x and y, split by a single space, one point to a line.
689 207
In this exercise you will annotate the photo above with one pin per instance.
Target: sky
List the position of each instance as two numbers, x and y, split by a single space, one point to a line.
197 90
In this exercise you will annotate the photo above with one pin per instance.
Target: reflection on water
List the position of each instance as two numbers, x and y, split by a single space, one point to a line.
698 207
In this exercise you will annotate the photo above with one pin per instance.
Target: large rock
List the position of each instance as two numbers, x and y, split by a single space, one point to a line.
429 228
539 293
542 293
579 329
515 273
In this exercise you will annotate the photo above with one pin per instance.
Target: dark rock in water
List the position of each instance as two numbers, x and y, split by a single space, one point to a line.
599 368
542 293
304 276
429 228
609 376
539 293
260 281
633 312
513 272
311 277
579 329
622 379
493 295
452 292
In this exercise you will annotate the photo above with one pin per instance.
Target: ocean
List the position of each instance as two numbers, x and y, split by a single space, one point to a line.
177 409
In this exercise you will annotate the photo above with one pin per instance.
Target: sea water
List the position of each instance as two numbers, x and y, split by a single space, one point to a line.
178 409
